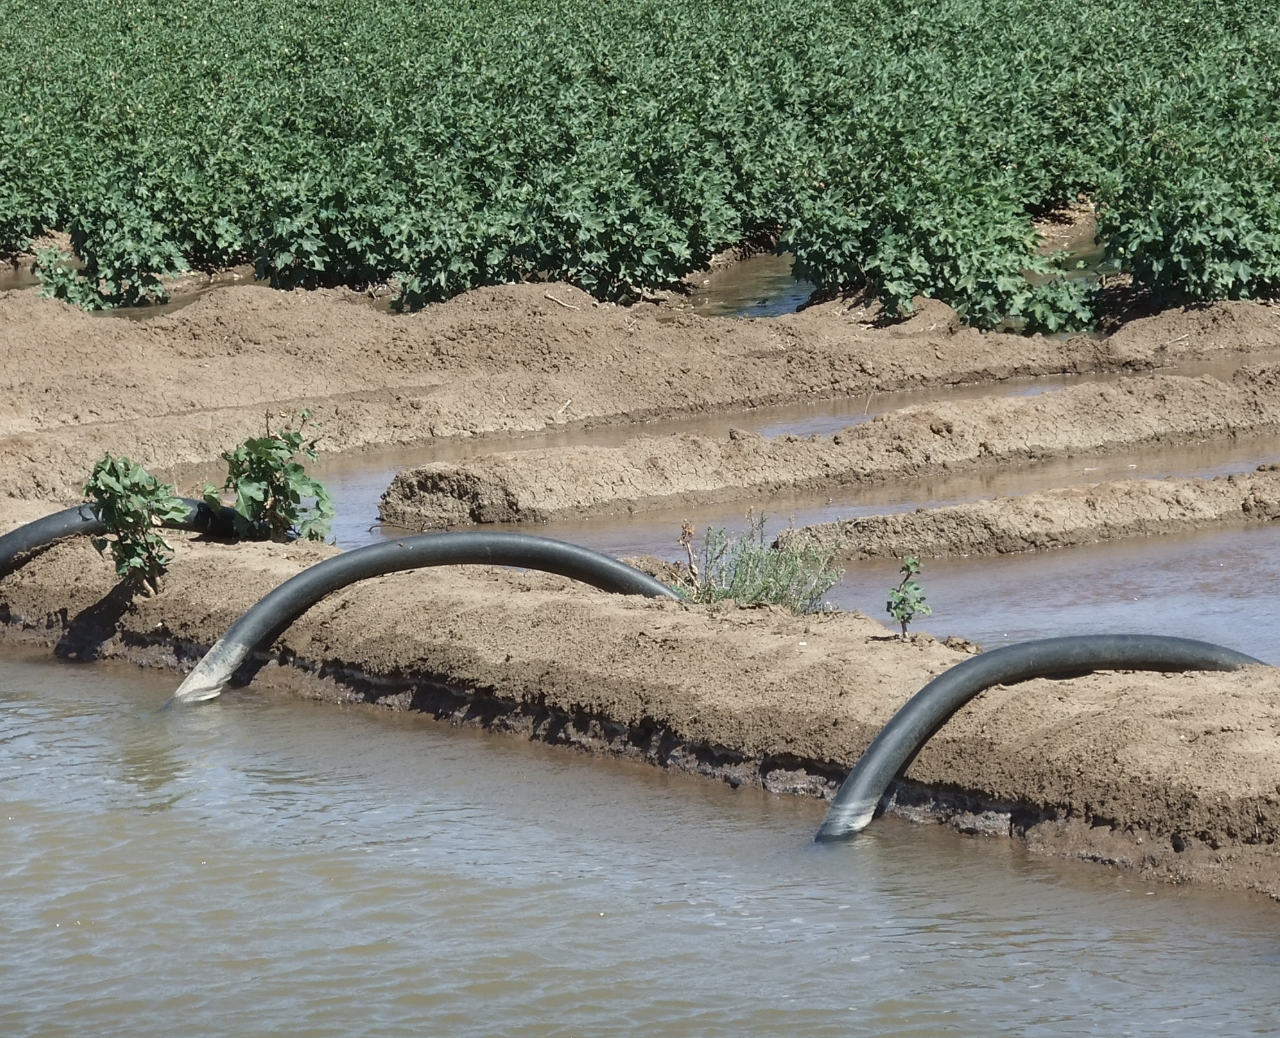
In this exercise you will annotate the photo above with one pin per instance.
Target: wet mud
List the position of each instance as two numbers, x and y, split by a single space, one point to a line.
1059 518
1172 775
651 473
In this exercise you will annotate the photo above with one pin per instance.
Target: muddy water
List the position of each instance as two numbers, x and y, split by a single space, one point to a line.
654 533
14 276
358 481
357 484
1217 585
262 866
186 289
764 285
758 286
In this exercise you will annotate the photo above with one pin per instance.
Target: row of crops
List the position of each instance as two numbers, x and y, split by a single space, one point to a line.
447 144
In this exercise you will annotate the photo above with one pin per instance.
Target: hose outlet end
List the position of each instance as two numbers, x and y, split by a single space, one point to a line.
197 691
209 677
848 822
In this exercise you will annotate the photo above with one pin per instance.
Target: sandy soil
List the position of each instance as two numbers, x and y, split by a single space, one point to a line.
179 389
1173 775
1057 518
653 472
1176 776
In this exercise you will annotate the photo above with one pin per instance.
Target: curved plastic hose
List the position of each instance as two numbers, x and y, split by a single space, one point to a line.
910 728
277 610
17 545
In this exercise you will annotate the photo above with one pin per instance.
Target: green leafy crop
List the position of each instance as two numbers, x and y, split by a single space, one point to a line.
59 279
275 497
906 600
902 148
133 505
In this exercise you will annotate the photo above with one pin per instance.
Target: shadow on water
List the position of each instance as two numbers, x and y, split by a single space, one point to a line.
757 286
14 277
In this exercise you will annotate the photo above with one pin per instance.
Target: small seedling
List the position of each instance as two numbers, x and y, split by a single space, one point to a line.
271 487
133 505
906 601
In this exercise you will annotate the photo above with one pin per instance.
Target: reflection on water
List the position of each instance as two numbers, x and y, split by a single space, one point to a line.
14 276
1188 585
357 481
327 871
758 286
186 290
357 484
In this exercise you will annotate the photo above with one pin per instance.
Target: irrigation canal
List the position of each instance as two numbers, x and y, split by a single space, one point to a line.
281 867
290 868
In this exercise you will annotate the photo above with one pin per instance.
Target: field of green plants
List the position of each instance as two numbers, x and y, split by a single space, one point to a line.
449 144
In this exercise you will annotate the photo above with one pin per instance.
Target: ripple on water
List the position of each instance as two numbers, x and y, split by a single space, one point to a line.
273 866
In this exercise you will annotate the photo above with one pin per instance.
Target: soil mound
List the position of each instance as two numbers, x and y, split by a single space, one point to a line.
179 389
657 472
1173 774
1059 518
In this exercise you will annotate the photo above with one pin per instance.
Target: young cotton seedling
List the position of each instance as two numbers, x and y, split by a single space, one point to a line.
272 489
133 505
906 601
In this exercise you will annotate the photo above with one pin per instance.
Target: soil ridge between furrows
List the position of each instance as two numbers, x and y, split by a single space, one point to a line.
1177 776
179 389
1060 518
653 472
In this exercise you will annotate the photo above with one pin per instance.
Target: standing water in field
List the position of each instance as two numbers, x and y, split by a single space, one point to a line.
273 866
1215 585
757 286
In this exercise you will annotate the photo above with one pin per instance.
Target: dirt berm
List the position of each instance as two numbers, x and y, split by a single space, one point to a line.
1057 518
651 472
179 389
1176 776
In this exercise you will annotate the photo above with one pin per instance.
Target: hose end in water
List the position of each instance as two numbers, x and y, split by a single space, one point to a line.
208 679
898 742
848 822
196 692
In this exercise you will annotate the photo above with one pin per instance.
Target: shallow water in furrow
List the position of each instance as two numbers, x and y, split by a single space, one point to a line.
358 481
1215 585
656 532
264 865
758 286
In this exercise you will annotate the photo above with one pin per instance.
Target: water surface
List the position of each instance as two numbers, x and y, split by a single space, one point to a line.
758 286
357 481
264 865
1216 585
